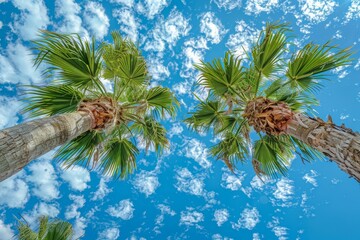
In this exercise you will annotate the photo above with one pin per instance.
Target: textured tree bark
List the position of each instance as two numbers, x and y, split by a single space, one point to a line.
24 142
340 144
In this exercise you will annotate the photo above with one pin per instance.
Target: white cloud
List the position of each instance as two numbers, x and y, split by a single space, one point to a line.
102 190
146 182
279 231
256 236
17 66
14 192
5 230
175 130
311 178
228 4
1 24
79 227
353 11
72 210
259 6
283 192
193 52
317 11
196 150
158 71
77 177
151 7
109 234
231 181
33 16
168 31
221 216
43 176
69 10
127 21
212 27
249 218
124 210
165 210
191 217
186 182
96 20
128 3
242 40
41 209
9 118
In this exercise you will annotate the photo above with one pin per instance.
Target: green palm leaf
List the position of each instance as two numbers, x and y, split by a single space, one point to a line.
307 153
51 100
266 54
118 159
208 114
273 154
152 132
162 100
232 148
81 150
71 60
48 230
222 76
308 66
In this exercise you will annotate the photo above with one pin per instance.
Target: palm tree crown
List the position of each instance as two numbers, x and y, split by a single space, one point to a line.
263 91
121 118
48 230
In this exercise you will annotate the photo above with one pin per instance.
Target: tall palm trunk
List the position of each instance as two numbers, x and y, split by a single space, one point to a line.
338 143
22 143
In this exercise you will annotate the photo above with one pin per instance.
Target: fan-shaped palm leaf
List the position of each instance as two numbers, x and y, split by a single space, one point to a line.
232 148
161 100
81 150
273 154
48 230
51 100
118 158
308 66
221 76
152 133
71 60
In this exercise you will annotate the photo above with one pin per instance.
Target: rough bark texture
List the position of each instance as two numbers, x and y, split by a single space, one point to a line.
340 144
22 143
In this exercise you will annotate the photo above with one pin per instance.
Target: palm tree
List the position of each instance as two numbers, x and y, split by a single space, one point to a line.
273 95
98 127
48 230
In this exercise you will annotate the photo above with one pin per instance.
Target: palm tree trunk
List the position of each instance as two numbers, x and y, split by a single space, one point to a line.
340 144
24 142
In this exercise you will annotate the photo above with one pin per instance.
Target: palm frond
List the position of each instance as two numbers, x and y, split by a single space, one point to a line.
59 230
222 76
152 132
43 226
51 100
80 150
25 232
70 59
309 65
307 153
118 159
207 114
162 100
232 148
267 52
273 154
297 101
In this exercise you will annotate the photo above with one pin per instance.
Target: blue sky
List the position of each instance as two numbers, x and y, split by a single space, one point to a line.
185 194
